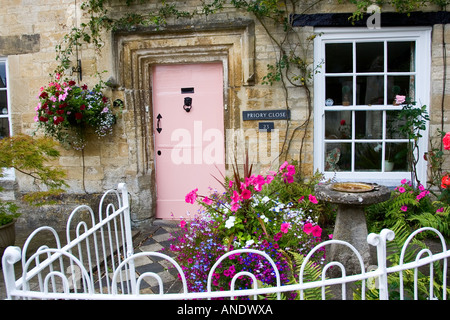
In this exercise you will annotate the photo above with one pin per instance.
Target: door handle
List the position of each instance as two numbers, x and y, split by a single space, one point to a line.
158 123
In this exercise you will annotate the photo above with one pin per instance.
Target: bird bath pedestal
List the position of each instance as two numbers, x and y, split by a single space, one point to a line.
351 198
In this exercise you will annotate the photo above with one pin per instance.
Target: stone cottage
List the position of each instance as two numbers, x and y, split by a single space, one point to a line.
204 86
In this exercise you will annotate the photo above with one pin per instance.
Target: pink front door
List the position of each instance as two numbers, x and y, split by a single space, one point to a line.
189 134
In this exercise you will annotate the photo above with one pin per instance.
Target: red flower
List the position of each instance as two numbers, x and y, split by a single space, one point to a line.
43 119
78 115
71 83
58 120
84 87
246 194
60 111
342 122
445 183
446 141
82 107
44 95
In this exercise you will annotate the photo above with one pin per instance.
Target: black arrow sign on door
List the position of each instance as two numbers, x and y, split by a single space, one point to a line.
158 123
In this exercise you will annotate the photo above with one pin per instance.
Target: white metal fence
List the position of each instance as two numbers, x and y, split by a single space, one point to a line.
99 263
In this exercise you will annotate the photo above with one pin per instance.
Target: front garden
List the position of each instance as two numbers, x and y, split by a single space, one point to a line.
279 214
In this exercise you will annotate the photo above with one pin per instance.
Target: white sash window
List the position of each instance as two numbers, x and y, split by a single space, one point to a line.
356 136
5 111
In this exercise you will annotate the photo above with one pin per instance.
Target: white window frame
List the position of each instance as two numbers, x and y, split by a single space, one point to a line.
422 36
8 174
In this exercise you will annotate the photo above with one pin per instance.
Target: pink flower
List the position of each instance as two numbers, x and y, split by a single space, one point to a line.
235 206
401 189
285 227
182 224
403 181
301 199
400 99
277 236
317 231
284 165
235 197
230 184
269 179
404 208
191 196
207 200
440 210
308 228
446 141
313 199
291 170
246 194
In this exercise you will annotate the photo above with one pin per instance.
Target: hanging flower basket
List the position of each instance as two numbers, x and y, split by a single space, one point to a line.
67 111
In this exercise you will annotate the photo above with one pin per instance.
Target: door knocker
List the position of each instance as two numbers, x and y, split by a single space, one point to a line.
187 104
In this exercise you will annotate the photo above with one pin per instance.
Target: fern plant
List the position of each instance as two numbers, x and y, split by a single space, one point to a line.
406 205
312 272
394 248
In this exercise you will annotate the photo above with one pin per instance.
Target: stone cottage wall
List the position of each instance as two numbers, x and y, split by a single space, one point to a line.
30 30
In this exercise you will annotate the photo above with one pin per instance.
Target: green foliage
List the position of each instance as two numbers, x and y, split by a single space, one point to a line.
30 156
312 272
405 6
394 248
412 207
8 212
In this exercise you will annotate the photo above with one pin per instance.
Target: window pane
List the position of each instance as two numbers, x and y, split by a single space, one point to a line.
393 125
402 85
338 156
3 103
339 89
396 156
401 56
369 124
370 90
2 75
4 128
338 125
370 57
368 156
338 58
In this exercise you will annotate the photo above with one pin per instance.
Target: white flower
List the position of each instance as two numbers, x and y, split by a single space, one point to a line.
249 243
264 218
230 222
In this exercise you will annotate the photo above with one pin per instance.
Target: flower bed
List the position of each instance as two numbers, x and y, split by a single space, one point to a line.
270 213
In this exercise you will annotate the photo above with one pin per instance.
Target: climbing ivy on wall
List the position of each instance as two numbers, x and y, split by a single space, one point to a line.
292 67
